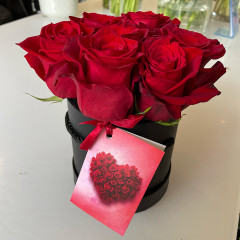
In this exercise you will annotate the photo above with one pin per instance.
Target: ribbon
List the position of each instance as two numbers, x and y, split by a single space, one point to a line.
128 122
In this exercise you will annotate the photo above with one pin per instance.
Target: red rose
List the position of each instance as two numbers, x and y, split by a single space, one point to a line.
130 182
126 167
120 182
107 187
105 161
127 173
99 164
100 189
96 21
133 169
104 169
136 187
139 179
173 79
129 31
45 50
113 182
97 173
121 168
102 180
134 175
92 166
211 48
135 184
125 189
53 37
111 161
118 188
132 194
109 58
104 75
149 20
116 196
113 168
100 156
108 175
109 156
117 174
168 68
96 180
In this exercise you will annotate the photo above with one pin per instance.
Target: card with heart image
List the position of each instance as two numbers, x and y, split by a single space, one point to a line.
114 177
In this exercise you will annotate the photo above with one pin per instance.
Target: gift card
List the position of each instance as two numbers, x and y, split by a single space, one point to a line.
114 177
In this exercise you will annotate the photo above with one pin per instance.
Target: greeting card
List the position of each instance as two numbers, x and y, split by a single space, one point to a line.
114 177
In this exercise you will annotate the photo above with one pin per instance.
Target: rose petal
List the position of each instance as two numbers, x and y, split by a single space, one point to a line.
99 73
210 75
193 58
39 65
60 80
103 103
32 45
158 111
202 94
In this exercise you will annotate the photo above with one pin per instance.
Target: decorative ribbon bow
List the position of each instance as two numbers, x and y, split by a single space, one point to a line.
128 122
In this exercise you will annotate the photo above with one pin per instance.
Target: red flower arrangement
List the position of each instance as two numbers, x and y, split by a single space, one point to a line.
115 65
114 182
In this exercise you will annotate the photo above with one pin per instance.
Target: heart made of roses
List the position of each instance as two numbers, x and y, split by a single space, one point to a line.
114 182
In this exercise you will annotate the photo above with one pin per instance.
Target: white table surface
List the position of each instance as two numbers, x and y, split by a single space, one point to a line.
36 180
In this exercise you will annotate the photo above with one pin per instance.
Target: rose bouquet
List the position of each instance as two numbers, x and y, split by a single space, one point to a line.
119 66
138 72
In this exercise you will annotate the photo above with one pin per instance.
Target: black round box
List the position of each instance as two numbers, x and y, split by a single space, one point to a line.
155 132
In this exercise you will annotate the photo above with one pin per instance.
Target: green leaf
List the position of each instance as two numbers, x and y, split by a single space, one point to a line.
170 123
145 111
138 110
53 99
